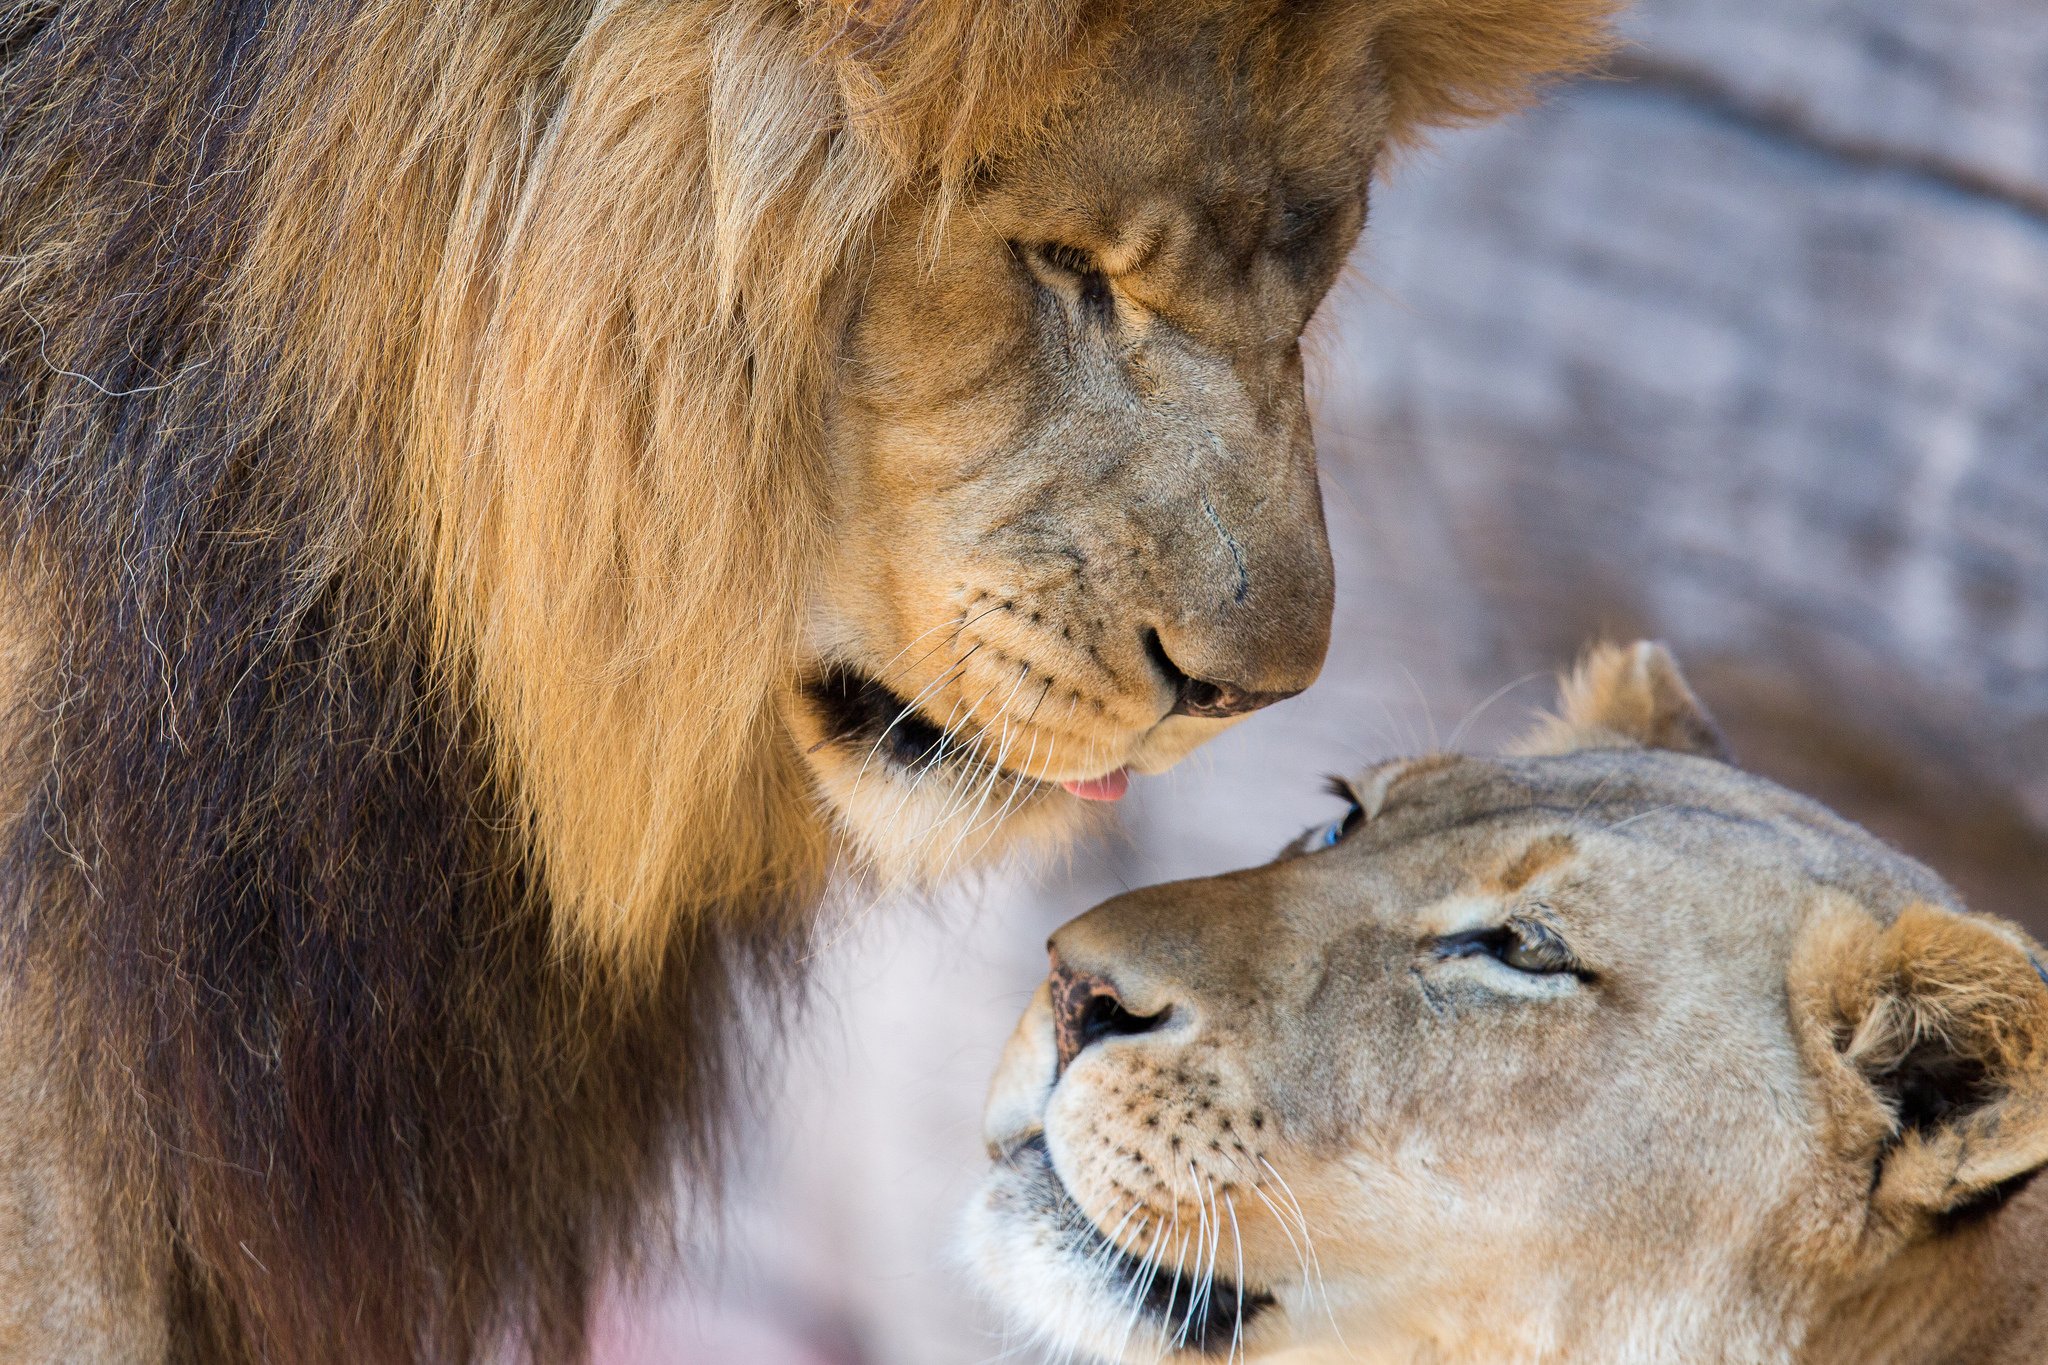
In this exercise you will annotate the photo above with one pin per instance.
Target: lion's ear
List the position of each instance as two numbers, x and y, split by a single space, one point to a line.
1930 1040
1628 696
1454 61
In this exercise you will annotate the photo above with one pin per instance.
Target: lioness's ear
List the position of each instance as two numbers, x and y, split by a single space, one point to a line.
1628 695
1930 1040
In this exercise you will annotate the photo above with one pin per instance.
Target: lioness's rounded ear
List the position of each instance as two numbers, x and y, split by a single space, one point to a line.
1628 695
1930 1040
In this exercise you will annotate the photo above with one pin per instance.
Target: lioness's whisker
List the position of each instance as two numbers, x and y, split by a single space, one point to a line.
1322 1285
1194 1268
1215 1217
1286 1226
1237 1322
1141 1285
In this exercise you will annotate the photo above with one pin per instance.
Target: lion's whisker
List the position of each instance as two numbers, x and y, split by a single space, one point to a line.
1472 716
1641 815
875 748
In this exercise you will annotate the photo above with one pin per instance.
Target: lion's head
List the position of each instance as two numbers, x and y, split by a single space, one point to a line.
1606 1051
899 404
1078 524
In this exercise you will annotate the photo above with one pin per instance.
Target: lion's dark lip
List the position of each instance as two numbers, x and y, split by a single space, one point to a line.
858 709
1163 1299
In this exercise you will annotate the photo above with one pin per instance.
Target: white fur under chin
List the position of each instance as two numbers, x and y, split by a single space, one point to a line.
1071 1311
919 829
1024 1258
1023 1264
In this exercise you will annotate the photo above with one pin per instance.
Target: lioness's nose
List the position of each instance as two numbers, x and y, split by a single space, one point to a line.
1086 1008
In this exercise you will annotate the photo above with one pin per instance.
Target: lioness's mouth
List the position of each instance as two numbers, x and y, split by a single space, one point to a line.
859 711
1197 1310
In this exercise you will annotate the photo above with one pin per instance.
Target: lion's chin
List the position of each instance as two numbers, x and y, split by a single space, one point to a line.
913 802
916 803
1173 739
919 826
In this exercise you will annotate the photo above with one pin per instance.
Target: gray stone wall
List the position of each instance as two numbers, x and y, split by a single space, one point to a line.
1747 347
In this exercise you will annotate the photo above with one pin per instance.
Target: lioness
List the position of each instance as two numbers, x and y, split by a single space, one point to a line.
1602 1051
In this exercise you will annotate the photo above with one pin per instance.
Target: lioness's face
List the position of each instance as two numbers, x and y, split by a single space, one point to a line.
1078 527
1498 1067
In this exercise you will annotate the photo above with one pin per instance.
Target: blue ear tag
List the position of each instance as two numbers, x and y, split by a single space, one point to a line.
1332 832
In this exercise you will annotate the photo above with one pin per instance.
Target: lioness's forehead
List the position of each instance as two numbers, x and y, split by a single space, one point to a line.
1677 811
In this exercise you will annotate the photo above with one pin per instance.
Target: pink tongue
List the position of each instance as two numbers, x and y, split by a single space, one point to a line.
1109 787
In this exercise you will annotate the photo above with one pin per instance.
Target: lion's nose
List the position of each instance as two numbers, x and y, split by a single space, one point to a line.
1206 697
1086 1008
1215 701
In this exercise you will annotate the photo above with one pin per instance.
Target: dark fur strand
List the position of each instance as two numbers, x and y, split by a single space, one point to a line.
305 983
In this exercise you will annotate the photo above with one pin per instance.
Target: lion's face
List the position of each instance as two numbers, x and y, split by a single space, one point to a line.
1600 1055
1077 522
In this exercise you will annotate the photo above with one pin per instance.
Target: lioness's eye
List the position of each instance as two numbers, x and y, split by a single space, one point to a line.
1522 944
1334 832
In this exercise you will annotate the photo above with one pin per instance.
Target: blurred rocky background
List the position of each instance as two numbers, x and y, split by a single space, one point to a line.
1744 346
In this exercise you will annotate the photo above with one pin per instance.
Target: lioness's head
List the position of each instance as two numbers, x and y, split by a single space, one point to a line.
1076 524
1605 1051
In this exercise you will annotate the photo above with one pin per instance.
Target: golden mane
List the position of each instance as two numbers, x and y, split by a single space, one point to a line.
588 287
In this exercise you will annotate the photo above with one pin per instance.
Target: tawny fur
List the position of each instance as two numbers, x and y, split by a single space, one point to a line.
414 436
1779 1101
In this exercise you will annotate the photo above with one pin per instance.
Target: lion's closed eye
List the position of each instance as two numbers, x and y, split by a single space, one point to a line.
1073 273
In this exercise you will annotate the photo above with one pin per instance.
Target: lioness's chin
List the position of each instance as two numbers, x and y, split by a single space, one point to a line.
1055 1274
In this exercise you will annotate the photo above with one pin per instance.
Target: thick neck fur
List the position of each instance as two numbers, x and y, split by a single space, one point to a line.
306 977
1977 1293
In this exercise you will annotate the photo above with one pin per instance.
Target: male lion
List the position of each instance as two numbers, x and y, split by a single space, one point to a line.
500 495
1604 1052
